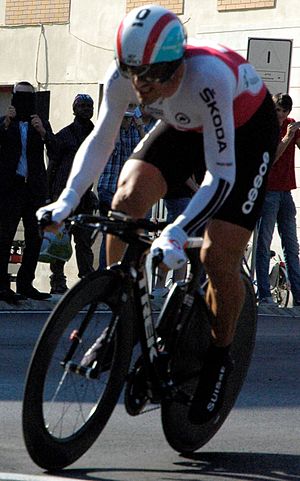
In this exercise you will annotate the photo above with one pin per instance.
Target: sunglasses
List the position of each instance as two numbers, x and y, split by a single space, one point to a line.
155 73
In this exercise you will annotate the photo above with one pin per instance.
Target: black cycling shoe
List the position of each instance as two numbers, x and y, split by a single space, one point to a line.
139 390
94 353
209 395
136 389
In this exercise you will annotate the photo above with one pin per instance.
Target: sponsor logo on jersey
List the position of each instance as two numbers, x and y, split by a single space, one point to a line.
208 96
257 183
114 77
155 112
182 118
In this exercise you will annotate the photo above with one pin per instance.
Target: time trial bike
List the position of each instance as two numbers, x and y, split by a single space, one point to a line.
68 402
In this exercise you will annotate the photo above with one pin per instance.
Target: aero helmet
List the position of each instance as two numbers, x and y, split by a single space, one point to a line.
149 35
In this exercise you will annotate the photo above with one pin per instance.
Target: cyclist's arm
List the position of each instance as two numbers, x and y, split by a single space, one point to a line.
216 106
94 152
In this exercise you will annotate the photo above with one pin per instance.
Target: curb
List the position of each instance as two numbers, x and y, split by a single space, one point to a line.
48 305
31 305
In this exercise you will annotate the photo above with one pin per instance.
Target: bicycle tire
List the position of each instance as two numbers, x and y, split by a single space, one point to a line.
181 434
280 292
55 442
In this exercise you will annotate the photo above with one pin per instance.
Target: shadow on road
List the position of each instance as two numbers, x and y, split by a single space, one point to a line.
222 466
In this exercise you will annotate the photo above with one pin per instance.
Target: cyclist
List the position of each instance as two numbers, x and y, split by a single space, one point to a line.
215 112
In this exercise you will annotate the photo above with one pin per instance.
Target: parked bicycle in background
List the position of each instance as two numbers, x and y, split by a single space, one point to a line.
278 275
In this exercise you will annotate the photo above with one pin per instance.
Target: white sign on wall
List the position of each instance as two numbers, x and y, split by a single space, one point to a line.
272 59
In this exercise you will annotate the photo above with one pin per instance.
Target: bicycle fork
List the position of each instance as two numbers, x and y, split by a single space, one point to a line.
158 359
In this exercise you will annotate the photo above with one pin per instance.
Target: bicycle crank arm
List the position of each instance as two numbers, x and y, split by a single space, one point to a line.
179 396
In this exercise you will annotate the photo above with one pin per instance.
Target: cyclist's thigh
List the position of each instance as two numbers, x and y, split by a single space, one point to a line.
140 185
224 245
176 154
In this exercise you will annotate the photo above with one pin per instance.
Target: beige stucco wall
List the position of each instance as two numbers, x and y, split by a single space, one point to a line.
71 58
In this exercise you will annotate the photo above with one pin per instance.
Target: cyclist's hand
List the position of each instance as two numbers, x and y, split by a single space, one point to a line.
59 210
171 242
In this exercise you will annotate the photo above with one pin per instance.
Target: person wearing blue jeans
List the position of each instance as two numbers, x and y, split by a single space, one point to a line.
279 206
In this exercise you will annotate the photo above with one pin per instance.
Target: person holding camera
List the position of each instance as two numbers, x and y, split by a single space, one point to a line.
279 206
23 188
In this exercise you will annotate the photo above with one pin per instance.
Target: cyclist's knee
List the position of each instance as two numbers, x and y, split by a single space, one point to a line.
130 200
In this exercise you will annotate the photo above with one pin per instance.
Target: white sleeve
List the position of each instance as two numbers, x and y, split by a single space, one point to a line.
94 152
216 105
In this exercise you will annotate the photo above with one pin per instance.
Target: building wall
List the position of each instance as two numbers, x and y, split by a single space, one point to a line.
244 4
177 6
64 47
32 12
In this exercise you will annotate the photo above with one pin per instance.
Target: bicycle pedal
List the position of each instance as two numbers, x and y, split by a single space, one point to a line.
88 372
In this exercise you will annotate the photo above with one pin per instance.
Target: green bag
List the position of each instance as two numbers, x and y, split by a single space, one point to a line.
56 246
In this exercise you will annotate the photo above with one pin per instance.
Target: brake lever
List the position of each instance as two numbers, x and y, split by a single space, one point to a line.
157 257
44 222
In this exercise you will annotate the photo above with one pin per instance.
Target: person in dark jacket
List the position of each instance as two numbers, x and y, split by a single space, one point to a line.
23 188
67 142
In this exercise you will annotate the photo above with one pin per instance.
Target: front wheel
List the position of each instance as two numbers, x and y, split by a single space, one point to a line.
64 411
181 434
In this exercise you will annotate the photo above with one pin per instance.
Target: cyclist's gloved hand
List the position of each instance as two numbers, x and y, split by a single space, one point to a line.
171 241
62 208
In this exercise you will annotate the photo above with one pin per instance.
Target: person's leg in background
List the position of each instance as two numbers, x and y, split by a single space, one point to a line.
58 279
105 199
287 228
83 248
264 239
33 242
9 220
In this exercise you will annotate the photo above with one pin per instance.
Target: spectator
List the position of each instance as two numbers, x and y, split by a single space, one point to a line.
67 142
131 132
147 121
279 206
23 188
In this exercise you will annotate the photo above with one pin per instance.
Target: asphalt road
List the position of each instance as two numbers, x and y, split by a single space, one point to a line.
260 441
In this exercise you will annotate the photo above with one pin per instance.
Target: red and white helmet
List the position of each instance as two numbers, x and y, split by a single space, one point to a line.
148 35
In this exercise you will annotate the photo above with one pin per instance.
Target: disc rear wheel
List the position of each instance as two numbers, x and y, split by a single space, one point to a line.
181 434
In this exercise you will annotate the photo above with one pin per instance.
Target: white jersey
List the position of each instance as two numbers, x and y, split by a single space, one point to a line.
219 92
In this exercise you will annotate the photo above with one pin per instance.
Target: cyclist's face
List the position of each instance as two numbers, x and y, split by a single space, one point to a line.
149 92
282 114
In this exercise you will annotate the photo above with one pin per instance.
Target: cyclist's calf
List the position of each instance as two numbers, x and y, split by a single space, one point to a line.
221 255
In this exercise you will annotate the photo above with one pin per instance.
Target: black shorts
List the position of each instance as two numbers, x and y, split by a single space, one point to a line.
179 154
